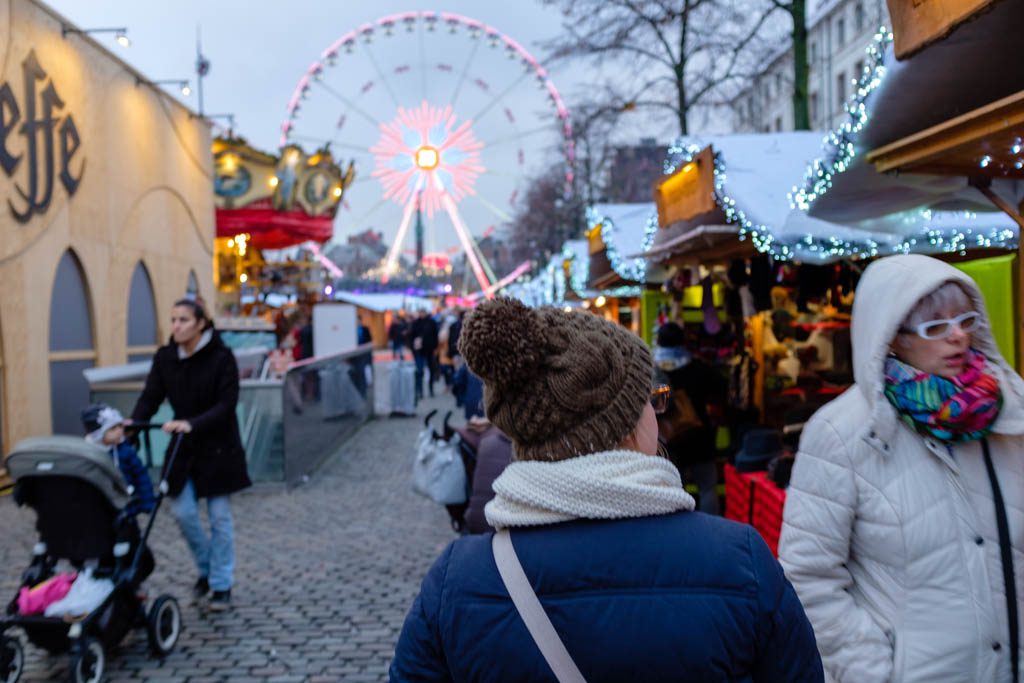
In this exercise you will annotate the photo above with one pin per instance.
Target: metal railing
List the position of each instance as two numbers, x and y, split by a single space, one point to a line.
289 426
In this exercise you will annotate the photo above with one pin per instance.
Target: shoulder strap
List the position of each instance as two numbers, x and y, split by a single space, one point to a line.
1006 554
531 611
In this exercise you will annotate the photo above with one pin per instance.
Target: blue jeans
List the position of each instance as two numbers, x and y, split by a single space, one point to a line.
423 366
214 553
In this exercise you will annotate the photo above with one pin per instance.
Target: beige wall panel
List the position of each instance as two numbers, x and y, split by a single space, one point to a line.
145 194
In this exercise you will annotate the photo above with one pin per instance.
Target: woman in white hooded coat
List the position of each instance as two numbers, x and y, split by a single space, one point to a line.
903 530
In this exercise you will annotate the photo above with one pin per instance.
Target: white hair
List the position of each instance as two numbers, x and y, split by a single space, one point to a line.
950 296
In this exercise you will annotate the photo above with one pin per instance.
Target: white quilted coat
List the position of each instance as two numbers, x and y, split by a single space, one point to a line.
890 538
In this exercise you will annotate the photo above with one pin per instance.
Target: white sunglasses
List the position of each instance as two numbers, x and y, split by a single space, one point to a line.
943 327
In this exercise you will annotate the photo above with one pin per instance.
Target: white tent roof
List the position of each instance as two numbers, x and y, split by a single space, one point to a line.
626 229
385 302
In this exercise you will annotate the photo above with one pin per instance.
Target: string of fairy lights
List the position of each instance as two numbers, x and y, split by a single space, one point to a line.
634 269
839 151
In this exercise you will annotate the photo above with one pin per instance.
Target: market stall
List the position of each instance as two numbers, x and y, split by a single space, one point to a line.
933 151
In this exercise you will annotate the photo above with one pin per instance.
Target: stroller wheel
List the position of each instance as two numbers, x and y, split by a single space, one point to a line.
88 663
12 659
164 625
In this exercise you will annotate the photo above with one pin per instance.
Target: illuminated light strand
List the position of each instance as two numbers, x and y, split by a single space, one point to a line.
839 149
634 269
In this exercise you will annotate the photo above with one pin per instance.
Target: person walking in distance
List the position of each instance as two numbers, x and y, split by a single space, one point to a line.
197 374
600 570
903 529
423 339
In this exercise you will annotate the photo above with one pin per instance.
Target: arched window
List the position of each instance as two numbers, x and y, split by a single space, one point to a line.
192 289
142 320
71 345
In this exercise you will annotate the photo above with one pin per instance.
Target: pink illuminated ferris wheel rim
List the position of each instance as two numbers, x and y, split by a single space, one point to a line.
389 25
426 154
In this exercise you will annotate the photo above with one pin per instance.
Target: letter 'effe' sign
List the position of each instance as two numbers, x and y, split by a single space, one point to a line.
44 132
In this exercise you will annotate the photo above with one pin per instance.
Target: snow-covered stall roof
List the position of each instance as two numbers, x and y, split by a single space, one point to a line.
977 64
626 229
752 181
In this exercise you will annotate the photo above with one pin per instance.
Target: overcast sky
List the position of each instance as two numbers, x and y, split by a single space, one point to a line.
258 50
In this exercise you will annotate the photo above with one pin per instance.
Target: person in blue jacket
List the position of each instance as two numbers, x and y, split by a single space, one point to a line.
104 427
636 585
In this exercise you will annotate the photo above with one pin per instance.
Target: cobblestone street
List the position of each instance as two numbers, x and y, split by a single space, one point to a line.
325 574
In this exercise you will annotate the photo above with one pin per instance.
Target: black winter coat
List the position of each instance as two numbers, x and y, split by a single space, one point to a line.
202 389
704 385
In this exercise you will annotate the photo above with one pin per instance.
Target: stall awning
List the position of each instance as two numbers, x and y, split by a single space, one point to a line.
380 302
934 112
917 24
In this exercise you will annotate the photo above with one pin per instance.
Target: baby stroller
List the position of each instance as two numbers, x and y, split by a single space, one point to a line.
80 501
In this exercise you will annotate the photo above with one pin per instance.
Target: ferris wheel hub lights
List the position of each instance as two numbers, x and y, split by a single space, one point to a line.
427 158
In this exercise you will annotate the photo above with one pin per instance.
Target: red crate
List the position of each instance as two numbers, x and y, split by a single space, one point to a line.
752 498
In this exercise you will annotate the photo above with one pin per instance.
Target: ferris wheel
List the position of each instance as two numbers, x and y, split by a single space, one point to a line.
448 126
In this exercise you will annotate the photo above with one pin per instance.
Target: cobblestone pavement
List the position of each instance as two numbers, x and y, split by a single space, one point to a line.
325 574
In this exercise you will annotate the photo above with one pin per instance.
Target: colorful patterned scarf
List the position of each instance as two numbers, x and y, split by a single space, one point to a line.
960 409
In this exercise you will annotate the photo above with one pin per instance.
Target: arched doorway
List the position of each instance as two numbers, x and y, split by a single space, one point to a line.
142 321
71 345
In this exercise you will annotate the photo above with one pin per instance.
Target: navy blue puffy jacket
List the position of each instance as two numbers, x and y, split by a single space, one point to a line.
679 597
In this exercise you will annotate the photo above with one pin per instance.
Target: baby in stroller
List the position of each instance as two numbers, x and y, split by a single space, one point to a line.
85 516
104 426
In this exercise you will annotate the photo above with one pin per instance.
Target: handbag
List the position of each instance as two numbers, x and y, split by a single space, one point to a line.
437 470
531 611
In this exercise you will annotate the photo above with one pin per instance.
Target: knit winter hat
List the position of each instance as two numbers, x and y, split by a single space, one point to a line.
98 419
558 384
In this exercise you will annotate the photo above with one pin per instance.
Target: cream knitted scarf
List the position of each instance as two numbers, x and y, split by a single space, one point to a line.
608 485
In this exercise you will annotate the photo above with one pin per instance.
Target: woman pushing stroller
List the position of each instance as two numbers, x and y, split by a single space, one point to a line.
197 374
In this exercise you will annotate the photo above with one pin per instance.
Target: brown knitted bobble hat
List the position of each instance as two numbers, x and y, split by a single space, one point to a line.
558 384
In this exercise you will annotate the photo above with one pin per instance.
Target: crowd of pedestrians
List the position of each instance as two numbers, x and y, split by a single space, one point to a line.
901 548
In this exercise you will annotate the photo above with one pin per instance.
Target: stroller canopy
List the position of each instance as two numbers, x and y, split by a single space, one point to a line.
69 456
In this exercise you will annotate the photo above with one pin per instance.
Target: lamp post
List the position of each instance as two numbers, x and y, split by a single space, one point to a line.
182 83
120 33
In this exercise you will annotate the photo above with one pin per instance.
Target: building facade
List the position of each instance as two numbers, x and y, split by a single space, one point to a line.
839 32
106 217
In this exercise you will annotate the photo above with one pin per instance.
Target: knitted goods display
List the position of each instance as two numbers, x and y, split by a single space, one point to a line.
960 409
610 485
558 384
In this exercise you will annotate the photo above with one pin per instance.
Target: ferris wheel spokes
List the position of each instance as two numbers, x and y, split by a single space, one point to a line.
464 73
500 96
348 103
493 208
381 76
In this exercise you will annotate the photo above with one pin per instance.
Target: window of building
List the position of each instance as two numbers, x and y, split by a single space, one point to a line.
778 83
71 345
858 16
778 123
814 52
858 70
192 288
814 108
841 32
840 90
142 325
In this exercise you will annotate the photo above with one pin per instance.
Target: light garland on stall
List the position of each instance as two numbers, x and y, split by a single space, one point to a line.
810 247
634 269
840 153
839 145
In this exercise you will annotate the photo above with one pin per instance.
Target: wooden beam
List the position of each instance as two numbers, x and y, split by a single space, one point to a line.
932 144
